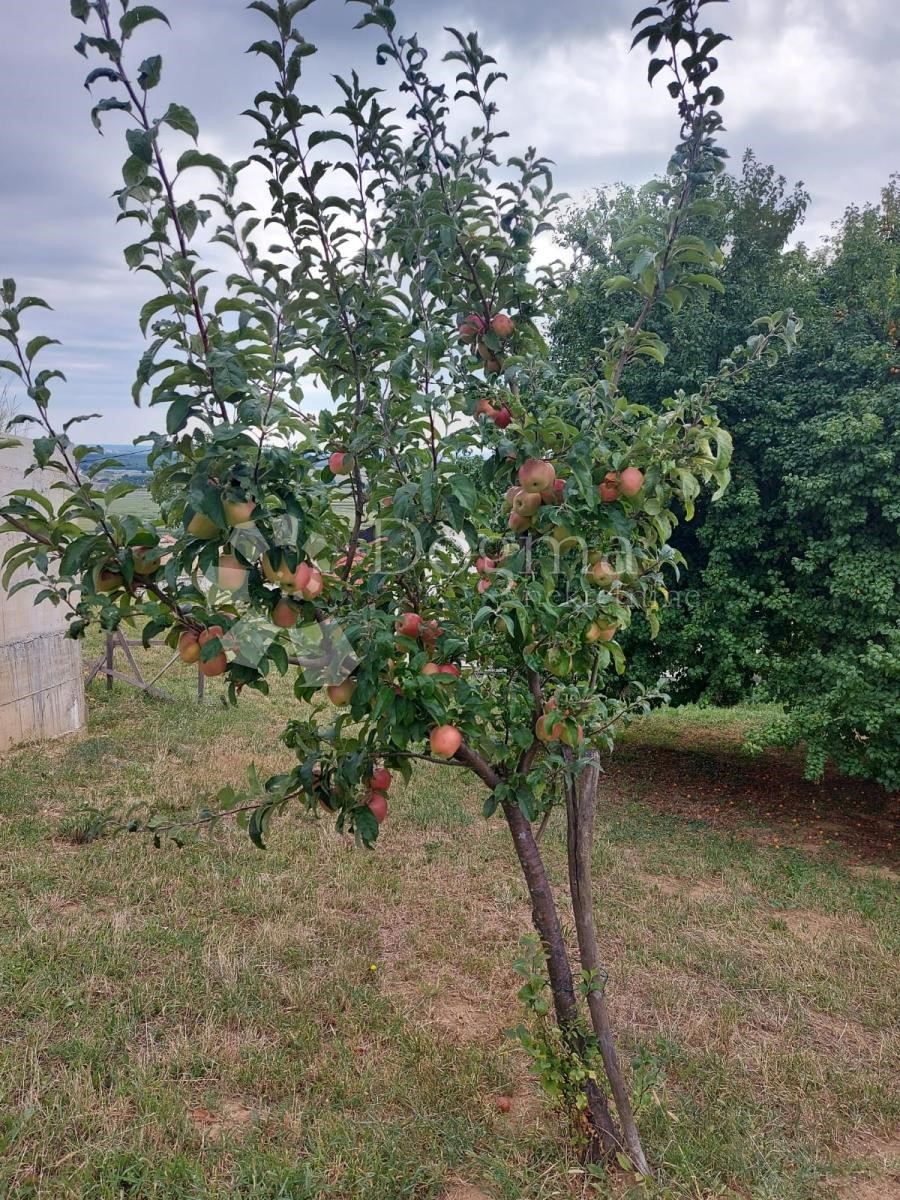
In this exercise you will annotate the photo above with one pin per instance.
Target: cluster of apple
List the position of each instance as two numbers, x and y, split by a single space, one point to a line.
472 331
547 729
376 799
500 416
190 644
617 484
147 561
537 486
410 625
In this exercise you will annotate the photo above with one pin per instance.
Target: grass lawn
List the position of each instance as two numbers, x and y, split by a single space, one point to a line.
314 1021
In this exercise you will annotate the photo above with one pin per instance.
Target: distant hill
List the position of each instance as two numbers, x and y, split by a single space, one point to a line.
132 458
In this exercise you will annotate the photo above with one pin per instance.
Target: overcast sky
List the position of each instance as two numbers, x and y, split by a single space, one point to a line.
812 86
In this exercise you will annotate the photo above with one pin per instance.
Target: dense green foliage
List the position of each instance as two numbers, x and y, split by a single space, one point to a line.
791 587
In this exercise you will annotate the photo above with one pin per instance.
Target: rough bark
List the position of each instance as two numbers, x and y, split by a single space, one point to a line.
562 984
581 805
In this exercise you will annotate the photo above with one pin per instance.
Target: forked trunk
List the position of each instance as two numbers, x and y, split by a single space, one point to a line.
581 806
606 1141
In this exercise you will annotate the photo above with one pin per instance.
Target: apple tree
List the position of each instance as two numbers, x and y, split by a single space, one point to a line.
440 560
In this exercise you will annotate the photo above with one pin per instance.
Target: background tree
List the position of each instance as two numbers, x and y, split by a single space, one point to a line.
478 631
790 587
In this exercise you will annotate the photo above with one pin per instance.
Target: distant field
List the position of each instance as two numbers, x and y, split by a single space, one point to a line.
138 504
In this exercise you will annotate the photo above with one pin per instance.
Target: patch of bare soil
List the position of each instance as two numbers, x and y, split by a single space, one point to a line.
817 927
465 1191
843 1033
764 797
883 1152
437 994
232 1118
884 1188
706 891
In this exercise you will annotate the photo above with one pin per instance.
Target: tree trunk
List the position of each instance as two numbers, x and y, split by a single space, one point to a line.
581 805
562 984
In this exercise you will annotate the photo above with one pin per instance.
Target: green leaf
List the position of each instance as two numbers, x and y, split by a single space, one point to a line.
80 9
194 158
366 826
152 307
37 344
111 104
134 255
257 825
709 281
150 72
102 73
228 374
178 117
178 413
464 490
134 171
140 16
140 143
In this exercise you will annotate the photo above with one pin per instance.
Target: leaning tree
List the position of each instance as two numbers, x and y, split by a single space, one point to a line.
469 622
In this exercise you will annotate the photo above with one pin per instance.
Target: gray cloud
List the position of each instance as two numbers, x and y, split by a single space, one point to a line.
810 85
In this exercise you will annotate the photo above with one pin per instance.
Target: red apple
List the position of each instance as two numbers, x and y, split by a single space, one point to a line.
609 488
485 565
492 364
445 740
431 668
545 732
314 585
603 573
631 481
207 635
502 417
147 560
282 575
449 669
107 579
285 614
526 504
379 806
340 463
503 326
231 574
409 625
340 694
600 632
484 585
518 522
381 779
200 526
536 476
189 647
470 328
217 665
484 408
238 512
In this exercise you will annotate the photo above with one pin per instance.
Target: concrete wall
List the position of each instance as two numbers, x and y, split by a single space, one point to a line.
41 681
